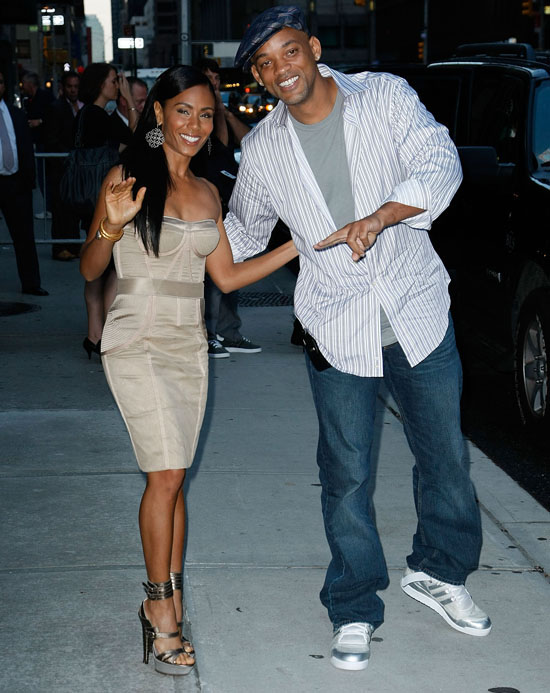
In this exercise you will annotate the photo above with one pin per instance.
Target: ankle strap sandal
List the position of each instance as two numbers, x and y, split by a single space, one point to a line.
165 662
177 584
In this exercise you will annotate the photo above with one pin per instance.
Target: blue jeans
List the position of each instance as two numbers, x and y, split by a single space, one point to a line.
447 542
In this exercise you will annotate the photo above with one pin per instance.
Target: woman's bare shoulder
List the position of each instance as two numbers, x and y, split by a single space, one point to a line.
210 196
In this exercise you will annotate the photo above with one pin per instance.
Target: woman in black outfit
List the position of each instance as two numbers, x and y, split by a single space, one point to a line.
100 84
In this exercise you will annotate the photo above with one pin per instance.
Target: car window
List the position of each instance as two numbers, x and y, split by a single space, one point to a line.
541 124
440 94
498 103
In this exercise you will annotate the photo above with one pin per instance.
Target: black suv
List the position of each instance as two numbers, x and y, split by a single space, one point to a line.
495 236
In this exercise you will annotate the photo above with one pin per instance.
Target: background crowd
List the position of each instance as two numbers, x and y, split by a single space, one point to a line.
34 142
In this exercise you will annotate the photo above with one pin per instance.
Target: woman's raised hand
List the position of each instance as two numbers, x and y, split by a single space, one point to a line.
120 205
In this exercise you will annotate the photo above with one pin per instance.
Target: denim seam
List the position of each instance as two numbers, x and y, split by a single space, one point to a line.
419 492
342 573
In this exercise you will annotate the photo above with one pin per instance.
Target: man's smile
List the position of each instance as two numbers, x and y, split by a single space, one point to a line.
288 82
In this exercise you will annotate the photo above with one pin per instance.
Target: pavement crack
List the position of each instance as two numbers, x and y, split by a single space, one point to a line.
535 567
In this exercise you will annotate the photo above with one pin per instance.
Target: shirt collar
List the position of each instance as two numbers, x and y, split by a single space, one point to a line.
78 103
123 118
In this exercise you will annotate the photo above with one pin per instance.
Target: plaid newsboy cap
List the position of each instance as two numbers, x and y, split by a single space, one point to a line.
264 26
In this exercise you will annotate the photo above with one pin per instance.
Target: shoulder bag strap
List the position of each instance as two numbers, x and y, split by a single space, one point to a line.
78 136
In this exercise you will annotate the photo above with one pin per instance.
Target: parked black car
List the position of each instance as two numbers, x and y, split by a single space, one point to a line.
495 236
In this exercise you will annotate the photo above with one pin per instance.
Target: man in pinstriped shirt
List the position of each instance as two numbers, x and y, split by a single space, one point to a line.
358 169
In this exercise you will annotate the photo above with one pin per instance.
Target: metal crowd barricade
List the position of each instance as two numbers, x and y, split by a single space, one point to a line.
46 222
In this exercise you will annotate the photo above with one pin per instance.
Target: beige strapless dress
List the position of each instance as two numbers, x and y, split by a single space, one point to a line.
154 348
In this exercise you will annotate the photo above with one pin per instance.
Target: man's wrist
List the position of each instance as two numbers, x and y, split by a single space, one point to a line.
391 213
380 218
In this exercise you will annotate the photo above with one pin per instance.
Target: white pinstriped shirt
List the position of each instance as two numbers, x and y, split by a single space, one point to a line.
396 152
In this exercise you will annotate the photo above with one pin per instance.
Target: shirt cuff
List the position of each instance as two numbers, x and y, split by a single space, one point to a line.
414 193
241 246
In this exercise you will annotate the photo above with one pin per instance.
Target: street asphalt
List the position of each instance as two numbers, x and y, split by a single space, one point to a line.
71 564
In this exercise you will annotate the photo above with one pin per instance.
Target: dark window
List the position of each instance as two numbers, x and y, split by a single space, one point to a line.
440 94
23 48
329 36
165 22
166 6
497 112
356 36
541 125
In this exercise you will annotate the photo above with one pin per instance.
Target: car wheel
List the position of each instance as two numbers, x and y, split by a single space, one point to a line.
532 349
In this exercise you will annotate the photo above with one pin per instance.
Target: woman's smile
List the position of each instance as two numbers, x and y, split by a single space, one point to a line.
191 139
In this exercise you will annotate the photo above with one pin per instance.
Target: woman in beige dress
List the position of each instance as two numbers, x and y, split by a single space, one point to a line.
162 225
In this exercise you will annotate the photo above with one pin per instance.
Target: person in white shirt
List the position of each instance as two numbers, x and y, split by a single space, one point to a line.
358 170
17 179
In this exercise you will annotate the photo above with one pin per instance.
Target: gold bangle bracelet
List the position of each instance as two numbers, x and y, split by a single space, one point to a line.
108 236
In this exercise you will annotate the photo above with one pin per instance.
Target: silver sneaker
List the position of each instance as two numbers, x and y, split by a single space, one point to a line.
350 647
452 602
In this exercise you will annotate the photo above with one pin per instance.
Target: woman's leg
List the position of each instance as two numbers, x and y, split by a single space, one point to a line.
176 561
178 540
159 530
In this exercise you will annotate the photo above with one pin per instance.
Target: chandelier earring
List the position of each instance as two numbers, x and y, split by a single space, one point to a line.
155 137
209 145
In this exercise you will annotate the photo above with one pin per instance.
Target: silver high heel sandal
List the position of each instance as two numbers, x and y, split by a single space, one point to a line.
177 584
165 662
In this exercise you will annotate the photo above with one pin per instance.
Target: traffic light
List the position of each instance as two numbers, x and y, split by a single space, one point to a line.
527 8
421 50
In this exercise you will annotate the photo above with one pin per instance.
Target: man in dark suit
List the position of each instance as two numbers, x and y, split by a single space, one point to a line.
16 184
59 133
35 102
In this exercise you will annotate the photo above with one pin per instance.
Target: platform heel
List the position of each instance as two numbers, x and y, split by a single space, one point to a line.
165 662
177 584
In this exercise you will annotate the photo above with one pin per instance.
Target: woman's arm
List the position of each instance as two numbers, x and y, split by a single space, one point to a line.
229 276
116 207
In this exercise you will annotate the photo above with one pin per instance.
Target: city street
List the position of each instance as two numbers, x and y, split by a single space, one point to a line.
444 162
72 564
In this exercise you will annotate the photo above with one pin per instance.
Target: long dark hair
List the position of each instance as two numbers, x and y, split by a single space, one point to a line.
148 165
92 80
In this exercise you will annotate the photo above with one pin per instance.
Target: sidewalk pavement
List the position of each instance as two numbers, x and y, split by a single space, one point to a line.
72 567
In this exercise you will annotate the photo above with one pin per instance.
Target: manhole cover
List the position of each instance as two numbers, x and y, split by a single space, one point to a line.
264 298
16 308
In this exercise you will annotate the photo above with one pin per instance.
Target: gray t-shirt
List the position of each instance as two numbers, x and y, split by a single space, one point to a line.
325 149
